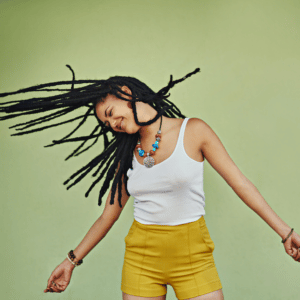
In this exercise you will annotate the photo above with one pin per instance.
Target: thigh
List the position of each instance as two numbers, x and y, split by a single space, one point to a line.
192 273
215 295
142 273
131 297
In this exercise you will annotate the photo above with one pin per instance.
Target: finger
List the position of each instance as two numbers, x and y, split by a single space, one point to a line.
59 286
297 258
289 251
54 289
294 254
49 281
51 278
56 285
49 290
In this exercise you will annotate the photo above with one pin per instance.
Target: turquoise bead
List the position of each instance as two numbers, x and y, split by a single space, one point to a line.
154 149
141 152
155 146
156 142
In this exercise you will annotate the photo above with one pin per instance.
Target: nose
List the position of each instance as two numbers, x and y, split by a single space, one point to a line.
114 124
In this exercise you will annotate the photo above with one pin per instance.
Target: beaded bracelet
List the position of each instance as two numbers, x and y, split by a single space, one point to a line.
71 261
71 256
283 241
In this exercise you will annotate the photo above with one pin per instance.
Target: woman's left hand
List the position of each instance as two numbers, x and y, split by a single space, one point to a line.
292 245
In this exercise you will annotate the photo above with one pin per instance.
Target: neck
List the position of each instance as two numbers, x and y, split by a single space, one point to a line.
149 131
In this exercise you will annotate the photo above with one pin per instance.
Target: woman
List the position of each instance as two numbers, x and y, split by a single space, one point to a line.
158 159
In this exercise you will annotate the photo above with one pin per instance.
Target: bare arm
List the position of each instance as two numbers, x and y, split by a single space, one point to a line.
219 159
61 276
216 154
102 225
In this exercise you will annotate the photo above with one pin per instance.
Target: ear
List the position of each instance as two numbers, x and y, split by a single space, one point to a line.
127 90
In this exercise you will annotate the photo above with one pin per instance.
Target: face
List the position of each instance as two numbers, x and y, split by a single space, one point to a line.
117 113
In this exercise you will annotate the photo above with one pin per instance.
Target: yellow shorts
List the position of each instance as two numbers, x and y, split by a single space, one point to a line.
161 255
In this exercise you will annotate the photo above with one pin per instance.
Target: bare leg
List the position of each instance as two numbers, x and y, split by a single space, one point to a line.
215 295
131 297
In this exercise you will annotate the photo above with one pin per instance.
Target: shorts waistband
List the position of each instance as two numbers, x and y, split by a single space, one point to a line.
168 227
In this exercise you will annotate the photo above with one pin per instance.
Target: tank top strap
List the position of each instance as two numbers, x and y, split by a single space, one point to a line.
180 146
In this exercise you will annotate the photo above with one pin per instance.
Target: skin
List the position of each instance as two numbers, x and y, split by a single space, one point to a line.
200 142
118 110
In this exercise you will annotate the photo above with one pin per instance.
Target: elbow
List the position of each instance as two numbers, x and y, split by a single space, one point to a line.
110 216
242 185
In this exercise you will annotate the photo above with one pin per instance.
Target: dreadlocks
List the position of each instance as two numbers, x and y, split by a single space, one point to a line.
118 152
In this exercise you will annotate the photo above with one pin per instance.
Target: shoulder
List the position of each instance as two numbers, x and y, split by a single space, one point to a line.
201 131
198 127
195 122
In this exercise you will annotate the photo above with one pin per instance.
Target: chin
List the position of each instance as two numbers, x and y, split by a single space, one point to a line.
129 132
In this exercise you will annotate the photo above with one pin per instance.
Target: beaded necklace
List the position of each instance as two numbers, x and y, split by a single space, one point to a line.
149 160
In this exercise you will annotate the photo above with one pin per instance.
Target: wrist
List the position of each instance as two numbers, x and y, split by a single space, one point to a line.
288 236
68 264
285 232
73 259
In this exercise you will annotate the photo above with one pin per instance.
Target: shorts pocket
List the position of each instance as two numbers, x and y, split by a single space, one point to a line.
129 236
206 237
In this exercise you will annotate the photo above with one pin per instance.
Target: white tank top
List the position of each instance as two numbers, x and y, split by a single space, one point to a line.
171 192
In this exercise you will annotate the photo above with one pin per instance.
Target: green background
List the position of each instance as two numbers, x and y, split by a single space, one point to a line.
247 91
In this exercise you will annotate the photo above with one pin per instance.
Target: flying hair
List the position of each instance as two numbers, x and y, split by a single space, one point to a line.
118 151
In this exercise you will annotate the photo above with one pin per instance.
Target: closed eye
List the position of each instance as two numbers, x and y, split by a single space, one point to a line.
107 123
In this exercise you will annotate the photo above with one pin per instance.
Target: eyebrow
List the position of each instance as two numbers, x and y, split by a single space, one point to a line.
105 111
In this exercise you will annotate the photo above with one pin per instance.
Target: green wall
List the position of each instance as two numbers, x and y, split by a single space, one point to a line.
247 91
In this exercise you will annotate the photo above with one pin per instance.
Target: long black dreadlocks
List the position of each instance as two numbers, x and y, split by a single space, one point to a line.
118 152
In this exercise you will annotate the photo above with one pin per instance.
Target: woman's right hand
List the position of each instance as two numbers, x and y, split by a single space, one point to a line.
61 277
